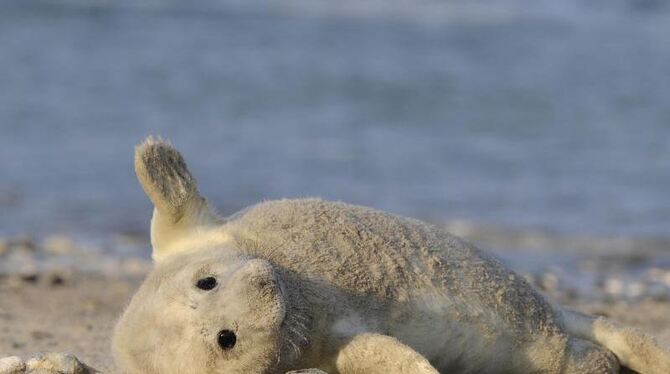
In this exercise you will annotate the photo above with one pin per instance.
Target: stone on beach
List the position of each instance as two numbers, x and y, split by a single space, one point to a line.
58 244
4 246
61 363
12 365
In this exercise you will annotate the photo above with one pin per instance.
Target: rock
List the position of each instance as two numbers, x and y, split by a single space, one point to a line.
58 244
614 286
550 282
636 289
12 365
30 277
56 279
19 262
23 243
4 247
57 363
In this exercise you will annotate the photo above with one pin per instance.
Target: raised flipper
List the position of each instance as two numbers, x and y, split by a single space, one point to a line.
380 354
634 349
179 210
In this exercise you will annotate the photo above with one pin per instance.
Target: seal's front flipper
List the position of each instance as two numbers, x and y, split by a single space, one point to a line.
178 207
380 354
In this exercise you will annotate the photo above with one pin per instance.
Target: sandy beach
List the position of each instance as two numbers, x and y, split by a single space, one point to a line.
58 297
46 306
76 316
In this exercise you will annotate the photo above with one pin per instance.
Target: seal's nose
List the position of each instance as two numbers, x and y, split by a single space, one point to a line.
227 339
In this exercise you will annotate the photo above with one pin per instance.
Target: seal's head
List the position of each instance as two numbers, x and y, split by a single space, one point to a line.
206 307
204 312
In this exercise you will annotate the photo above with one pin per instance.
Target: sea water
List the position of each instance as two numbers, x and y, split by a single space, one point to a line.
532 115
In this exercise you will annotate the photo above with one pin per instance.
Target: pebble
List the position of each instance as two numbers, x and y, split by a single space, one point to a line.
56 279
636 289
30 277
19 261
58 244
25 243
549 282
12 365
614 286
61 363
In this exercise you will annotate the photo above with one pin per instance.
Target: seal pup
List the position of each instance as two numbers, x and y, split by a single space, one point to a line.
305 283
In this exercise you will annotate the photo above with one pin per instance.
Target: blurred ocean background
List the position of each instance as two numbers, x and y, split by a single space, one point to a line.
523 115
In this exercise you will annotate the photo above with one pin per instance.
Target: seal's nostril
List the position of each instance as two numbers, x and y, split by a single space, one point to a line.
206 283
227 339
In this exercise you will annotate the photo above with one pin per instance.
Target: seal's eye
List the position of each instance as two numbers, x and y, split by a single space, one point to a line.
227 339
206 283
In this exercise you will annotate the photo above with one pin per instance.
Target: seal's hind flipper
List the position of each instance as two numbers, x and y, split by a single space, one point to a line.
165 178
634 349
